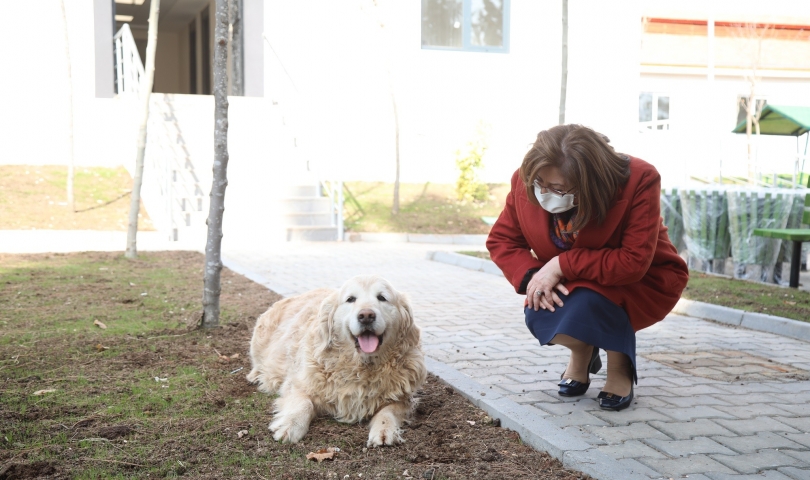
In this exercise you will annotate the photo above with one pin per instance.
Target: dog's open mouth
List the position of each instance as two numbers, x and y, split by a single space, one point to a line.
368 342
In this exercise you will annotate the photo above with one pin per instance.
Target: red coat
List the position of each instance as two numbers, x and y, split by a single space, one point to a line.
628 258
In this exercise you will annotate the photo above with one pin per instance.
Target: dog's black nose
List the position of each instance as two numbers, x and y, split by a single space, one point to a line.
366 316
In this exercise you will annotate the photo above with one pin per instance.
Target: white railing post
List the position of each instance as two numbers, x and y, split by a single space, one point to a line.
129 65
119 64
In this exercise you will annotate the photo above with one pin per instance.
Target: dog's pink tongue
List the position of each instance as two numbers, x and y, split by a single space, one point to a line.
368 342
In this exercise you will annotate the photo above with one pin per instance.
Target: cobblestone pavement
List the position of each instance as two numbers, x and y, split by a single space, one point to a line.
713 401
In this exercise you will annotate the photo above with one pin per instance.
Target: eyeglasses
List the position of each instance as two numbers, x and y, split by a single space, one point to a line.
559 193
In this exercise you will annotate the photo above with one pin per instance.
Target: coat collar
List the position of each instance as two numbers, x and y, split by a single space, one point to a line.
596 236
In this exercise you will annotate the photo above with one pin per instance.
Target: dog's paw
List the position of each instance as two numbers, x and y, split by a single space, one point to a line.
287 430
384 433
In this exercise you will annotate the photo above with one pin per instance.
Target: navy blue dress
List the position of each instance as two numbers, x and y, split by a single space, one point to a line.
587 316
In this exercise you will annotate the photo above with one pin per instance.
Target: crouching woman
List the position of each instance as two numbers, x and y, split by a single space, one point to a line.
582 237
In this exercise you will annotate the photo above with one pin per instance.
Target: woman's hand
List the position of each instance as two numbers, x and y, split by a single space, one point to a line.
540 292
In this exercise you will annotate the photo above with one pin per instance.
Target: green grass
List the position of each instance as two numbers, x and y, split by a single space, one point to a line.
106 377
424 208
476 254
70 285
749 296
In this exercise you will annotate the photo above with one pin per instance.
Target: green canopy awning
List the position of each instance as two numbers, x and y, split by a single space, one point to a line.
781 120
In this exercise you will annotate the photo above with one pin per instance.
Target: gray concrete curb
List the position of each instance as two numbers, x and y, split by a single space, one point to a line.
465 261
533 429
706 311
479 240
754 321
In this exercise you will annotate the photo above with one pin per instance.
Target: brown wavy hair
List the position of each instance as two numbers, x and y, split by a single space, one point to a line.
586 161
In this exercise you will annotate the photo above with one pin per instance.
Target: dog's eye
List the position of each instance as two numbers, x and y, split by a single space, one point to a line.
351 299
381 298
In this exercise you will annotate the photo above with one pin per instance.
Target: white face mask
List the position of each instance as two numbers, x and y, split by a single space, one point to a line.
554 203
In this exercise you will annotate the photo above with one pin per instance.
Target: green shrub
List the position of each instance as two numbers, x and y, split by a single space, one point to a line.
470 161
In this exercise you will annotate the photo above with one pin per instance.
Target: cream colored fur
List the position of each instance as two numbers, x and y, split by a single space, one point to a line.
303 348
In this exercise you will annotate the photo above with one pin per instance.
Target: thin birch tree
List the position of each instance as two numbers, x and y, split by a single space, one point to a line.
144 91
564 79
752 36
377 15
237 57
213 246
71 159
395 207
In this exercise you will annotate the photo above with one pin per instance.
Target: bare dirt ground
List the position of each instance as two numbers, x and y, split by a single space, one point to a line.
148 397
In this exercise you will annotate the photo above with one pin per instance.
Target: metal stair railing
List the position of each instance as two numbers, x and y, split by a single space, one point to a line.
334 190
169 168
172 167
128 64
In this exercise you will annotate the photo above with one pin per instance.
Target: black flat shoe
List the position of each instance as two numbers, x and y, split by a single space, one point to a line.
609 401
572 388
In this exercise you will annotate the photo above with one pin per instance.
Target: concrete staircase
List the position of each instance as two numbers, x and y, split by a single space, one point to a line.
268 195
307 215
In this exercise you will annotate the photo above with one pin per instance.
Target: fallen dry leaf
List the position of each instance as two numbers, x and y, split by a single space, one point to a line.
235 355
221 356
101 347
789 302
43 392
241 433
323 454
471 422
99 324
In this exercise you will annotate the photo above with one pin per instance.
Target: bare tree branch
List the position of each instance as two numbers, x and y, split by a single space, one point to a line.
71 167
751 36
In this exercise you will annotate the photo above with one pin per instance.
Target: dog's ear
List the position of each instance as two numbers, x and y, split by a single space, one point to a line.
326 318
410 332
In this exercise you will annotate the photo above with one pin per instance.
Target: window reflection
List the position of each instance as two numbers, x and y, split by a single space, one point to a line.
645 107
663 108
441 23
486 18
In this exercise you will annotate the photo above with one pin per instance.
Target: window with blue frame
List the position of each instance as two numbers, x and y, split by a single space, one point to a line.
469 25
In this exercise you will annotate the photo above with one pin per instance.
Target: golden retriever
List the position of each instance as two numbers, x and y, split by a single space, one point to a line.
352 353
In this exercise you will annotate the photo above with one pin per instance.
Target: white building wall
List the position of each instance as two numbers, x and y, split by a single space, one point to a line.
34 128
336 55
326 64
700 142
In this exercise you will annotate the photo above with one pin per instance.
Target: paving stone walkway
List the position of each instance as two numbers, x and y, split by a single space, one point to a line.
713 401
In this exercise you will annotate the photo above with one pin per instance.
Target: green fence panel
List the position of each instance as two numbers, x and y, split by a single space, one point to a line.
672 214
750 208
705 228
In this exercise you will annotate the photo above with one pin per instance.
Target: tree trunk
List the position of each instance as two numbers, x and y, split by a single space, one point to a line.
395 208
213 246
750 106
564 79
237 73
145 92
70 200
